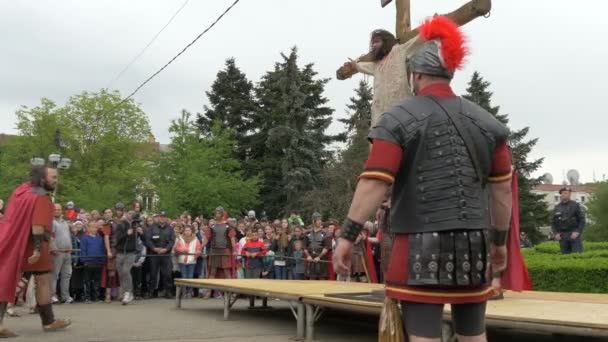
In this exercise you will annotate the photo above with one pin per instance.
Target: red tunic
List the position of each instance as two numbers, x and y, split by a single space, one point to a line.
383 164
42 216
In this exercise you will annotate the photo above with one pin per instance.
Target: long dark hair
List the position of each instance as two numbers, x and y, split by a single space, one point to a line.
388 41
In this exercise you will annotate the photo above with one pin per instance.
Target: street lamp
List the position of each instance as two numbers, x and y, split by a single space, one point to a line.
55 159
37 161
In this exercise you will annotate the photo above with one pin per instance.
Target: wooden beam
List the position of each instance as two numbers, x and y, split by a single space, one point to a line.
403 22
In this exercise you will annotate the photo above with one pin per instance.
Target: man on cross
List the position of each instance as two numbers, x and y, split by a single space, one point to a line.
386 60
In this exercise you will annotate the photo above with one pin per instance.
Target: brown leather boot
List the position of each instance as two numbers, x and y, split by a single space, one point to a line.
5 333
58 324
49 323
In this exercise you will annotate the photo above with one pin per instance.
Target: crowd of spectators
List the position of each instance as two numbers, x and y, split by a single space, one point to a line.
124 254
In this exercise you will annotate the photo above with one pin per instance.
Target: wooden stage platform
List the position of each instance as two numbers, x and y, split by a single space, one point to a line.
553 312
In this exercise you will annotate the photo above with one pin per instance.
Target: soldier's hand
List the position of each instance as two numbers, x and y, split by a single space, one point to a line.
317 259
496 286
574 235
558 237
498 258
34 258
342 256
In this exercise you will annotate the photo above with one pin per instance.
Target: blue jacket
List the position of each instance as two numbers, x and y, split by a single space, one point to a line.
92 250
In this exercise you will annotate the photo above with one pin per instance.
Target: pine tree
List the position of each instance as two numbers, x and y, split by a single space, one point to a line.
288 144
533 211
232 105
339 179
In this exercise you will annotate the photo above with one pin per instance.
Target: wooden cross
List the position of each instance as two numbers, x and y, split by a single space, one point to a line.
403 22
463 15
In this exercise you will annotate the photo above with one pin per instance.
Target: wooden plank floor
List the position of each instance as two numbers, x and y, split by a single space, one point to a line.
284 287
565 309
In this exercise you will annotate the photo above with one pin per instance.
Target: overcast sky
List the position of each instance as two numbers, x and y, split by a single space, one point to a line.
545 59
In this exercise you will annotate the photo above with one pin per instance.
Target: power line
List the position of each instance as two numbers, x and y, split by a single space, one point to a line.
147 46
180 53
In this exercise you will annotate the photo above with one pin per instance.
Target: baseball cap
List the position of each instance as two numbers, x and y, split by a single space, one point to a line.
566 188
120 206
70 204
163 214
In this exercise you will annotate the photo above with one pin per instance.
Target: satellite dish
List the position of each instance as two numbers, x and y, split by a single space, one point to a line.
547 178
573 177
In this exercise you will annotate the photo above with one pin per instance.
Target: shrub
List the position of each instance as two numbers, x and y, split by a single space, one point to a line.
551 271
552 247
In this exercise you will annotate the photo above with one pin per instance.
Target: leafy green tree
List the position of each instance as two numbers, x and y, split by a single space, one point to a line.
598 214
533 211
288 143
107 140
199 173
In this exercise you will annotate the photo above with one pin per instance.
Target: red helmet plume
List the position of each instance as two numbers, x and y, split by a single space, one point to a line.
453 49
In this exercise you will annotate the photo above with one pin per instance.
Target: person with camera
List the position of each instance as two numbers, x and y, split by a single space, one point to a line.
126 230
568 223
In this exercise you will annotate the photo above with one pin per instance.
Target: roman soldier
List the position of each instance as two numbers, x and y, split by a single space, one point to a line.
448 162
24 246
223 241
316 250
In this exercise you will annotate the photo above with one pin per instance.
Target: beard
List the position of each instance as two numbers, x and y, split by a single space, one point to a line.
47 186
379 54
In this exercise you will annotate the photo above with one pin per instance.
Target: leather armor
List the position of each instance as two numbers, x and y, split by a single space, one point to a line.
219 235
441 183
316 242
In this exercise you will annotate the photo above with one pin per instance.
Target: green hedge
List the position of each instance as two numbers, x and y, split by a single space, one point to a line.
552 247
552 271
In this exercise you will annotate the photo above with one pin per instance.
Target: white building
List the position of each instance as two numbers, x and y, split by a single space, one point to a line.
580 193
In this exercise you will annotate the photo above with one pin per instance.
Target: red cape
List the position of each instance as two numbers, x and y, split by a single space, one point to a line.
515 277
14 235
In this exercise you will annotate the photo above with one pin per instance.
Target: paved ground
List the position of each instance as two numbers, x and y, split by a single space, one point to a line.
198 320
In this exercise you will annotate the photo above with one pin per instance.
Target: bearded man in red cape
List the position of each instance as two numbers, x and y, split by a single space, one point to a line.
24 246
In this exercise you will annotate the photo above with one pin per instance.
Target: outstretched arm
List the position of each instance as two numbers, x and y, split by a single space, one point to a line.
462 16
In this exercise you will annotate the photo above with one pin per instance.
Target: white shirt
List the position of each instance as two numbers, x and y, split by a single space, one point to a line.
390 77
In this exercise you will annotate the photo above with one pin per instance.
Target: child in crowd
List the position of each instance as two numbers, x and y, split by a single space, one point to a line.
297 254
280 247
188 249
268 272
92 250
253 252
